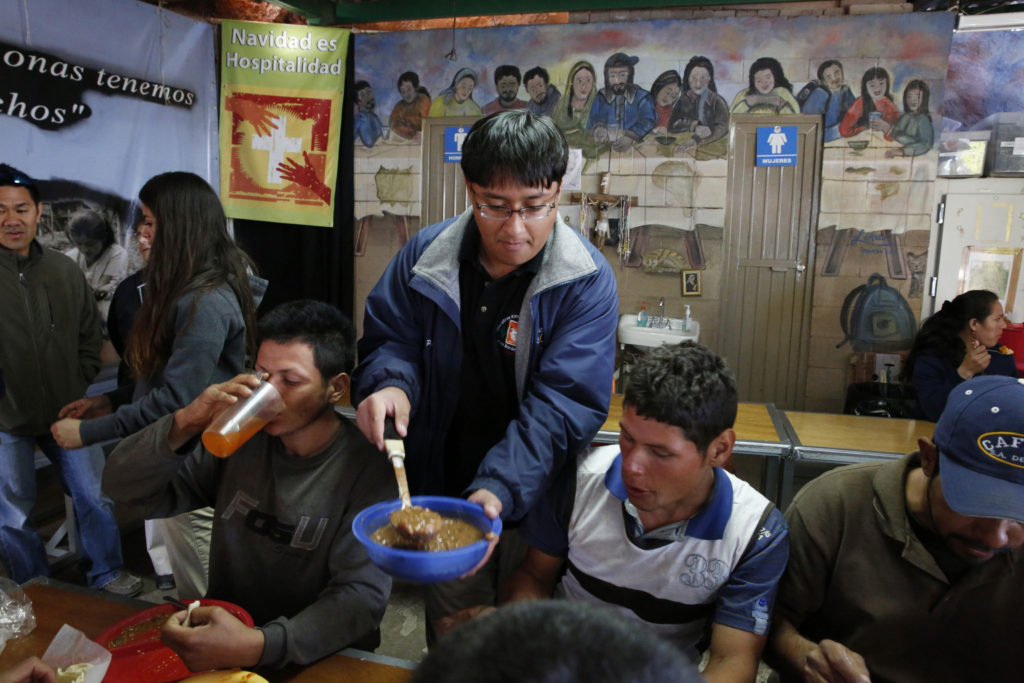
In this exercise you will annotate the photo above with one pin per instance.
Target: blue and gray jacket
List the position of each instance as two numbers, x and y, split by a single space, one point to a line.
412 340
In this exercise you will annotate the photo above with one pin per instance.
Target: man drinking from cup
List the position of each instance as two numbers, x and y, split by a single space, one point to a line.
284 502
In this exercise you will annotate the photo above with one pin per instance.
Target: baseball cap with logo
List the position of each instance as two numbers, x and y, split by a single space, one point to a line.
980 437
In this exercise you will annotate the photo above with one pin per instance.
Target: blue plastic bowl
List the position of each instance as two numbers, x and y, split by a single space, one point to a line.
423 566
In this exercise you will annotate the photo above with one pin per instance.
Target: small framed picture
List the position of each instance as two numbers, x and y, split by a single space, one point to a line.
691 282
993 268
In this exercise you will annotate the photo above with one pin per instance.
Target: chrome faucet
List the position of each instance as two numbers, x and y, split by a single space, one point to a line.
660 321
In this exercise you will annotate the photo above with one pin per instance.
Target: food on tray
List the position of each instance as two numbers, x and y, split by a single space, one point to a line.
144 630
73 674
455 533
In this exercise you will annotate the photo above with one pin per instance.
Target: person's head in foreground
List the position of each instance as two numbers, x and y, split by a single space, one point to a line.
974 495
307 348
513 162
677 416
553 641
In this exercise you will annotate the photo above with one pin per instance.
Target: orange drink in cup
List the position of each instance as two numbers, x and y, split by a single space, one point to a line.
239 421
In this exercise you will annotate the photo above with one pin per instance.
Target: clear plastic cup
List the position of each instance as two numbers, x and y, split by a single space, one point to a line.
239 421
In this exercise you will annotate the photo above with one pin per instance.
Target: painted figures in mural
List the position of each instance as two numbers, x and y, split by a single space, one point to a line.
701 113
457 98
573 111
914 129
679 116
507 80
665 90
768 93
407 116
368 127
544 97
623 112
828 96
874 108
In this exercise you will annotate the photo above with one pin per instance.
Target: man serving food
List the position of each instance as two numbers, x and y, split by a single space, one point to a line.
282 545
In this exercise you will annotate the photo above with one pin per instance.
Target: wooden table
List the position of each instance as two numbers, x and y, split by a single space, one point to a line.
852 438
56 603
847 439
786 438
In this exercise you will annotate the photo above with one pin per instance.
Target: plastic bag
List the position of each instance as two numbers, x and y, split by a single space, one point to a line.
16 616
70 646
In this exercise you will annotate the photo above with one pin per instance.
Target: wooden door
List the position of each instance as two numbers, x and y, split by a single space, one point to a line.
770 217
442 185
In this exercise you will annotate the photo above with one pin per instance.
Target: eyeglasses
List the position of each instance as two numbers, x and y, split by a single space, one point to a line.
527 213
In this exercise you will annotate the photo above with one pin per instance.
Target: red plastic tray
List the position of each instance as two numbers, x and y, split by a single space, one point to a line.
146 659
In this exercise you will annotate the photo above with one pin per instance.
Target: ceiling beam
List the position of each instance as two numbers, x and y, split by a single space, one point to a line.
347 12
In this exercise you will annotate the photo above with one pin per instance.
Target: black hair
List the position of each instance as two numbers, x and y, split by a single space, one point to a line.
537 71
507 70
360 85
12 177
772 64
411 77
320 326
940 333
826 64
515 146
553 641
702 62
917 84
91 225
192 252
665 78
866 101
685 385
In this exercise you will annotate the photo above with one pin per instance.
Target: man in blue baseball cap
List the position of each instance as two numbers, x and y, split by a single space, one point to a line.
913 570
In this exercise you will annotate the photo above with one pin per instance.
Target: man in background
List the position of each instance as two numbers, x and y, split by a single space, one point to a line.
911 570
49 353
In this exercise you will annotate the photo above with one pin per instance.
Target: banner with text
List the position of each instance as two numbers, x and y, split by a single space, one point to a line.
281 120
92 118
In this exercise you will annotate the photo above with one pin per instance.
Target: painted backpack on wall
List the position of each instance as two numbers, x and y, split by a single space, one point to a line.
876 317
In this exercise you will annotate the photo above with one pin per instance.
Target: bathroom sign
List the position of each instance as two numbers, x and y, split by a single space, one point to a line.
454 136
776 146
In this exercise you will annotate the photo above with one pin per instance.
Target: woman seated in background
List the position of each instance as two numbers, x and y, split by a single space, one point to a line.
955 344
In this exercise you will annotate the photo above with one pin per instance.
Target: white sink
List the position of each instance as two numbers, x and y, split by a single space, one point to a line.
629 333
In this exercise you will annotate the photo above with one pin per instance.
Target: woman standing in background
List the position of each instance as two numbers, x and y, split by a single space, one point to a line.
194 327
